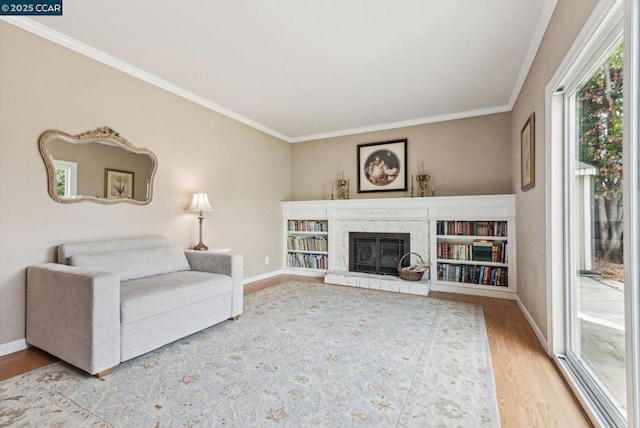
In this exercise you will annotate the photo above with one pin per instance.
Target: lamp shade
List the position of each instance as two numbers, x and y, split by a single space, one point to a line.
200 202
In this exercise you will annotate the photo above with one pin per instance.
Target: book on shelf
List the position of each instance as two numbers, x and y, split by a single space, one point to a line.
308 261
307 225
482 250
478 250
478 228
474 274
307 243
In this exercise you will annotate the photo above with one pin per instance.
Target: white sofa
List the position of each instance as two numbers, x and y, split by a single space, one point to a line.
105 302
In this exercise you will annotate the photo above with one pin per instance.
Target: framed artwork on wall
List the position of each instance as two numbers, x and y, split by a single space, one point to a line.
527 154
382 167
118 184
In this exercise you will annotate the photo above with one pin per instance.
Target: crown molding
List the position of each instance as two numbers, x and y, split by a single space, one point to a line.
532 50
405 123
86 50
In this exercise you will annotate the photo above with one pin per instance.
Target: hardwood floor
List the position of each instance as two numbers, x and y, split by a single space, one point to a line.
530 391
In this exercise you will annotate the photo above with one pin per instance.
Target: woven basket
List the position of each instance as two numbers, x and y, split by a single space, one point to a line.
413 272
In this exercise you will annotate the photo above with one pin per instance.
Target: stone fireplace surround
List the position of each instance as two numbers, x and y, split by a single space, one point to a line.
393 215
376 220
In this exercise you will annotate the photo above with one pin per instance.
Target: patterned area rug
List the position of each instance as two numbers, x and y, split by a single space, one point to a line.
301 355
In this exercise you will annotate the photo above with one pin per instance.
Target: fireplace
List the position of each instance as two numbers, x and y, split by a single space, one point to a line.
378 253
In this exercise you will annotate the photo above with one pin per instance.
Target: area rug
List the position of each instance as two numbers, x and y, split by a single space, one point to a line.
301 355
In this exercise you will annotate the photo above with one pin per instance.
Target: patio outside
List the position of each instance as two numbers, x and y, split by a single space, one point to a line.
601 323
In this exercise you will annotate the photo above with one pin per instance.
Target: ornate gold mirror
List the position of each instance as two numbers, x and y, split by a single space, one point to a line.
97 166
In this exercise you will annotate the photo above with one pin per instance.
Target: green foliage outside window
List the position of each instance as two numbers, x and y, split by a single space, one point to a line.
600 108
61 180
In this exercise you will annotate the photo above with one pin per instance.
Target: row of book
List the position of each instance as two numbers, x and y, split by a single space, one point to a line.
479 228
472 274
306 226
309 261
479 250
307 243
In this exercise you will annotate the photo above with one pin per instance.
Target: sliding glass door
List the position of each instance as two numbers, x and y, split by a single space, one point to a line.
593 207
594 267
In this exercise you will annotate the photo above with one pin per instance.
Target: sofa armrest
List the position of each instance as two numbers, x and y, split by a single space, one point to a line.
74 314
226 264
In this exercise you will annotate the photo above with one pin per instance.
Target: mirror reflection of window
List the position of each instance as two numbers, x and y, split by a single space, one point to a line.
66 178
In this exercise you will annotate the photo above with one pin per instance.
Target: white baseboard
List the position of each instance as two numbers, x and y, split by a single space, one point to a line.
534 326
485 291
15 346
264 276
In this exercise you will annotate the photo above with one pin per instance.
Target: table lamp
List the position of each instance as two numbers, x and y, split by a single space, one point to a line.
200 203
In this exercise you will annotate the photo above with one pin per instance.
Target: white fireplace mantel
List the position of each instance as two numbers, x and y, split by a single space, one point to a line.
417 216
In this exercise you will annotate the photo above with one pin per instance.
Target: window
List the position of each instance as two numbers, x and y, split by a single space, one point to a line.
66 178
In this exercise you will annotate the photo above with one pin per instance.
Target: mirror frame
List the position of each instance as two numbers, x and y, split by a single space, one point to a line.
104 134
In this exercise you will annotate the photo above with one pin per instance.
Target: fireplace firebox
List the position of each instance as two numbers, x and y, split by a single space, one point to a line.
378 253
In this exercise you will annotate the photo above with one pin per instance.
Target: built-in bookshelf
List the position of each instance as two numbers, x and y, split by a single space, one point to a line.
307 244
473 253
469 241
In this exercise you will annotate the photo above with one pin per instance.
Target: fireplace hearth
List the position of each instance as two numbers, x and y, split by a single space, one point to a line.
378 253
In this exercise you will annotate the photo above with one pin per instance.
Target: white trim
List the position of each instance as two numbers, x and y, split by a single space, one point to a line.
631 205
483 291
405 123
86 50
305 272
71 189
263 276
15 346
594 415
534 326
532 50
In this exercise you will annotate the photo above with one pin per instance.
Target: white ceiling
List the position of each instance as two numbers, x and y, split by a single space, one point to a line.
304 69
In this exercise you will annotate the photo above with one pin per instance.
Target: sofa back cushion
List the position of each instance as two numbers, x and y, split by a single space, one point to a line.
65 251
135 264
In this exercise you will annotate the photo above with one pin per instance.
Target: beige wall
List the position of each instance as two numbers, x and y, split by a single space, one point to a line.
44 86
566 23
465 157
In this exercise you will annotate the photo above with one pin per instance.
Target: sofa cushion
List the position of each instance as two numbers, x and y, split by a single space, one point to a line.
65 251
136 263
145 297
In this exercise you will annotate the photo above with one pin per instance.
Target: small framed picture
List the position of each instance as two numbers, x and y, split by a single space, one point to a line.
382 167
527 154
118 184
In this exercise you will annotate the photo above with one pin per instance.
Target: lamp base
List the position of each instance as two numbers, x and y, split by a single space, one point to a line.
201 247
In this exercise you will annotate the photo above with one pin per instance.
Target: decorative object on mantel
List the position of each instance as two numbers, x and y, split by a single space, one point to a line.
200 203
412 272
527 154
343 188
382 166
423 181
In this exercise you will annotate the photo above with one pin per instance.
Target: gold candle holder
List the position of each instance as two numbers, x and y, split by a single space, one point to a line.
343 189
423 181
